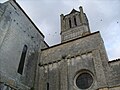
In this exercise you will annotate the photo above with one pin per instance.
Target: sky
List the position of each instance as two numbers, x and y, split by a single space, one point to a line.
103 16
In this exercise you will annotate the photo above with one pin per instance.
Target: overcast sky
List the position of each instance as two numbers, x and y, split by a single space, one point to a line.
103 16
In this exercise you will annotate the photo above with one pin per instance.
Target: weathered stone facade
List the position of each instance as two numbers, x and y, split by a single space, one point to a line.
17 30
80 56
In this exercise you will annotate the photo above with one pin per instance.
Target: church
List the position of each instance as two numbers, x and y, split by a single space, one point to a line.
27 62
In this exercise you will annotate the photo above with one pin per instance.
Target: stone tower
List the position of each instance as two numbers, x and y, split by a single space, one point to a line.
74 25
79 62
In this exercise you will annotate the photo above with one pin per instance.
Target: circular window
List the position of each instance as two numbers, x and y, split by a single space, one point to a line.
84 80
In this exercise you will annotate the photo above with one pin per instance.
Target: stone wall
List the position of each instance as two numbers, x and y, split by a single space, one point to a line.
112 88
17 30
115 88
74 33
60 64
115 73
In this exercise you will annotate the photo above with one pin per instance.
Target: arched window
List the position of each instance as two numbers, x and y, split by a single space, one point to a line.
75 22
22 60
70 23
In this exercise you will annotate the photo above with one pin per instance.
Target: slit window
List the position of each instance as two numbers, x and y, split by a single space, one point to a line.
70 23
75 22
47 86
22 60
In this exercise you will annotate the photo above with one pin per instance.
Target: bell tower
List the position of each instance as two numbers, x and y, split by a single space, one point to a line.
74 25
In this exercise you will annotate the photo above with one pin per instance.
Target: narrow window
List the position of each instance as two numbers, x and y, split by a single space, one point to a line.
47 86
75 21
70 23
22 60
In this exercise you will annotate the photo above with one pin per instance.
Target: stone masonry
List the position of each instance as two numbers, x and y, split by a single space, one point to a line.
79 62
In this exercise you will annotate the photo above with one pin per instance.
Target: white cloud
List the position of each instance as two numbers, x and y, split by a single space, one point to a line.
112 39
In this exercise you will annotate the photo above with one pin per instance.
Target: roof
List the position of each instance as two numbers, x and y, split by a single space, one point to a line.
116 60
73 11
